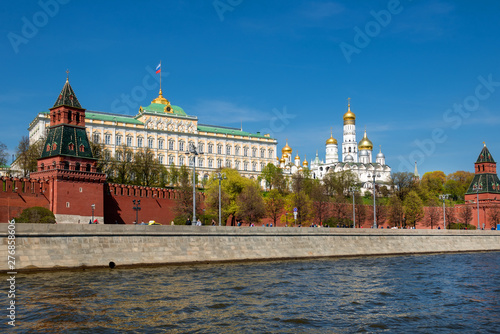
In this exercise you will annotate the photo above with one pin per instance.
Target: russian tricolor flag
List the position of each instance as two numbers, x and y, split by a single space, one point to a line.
158 68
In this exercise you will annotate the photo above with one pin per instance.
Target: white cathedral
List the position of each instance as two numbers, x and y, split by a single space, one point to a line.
356 157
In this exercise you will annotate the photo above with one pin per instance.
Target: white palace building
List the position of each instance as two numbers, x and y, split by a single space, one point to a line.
170 133
356 157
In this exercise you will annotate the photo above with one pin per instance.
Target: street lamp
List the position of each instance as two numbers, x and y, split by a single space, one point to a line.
220 176
374 197
192 151
444 197
477 187
136 207
93 208
353 190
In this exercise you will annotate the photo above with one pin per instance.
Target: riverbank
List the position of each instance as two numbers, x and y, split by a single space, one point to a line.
50 247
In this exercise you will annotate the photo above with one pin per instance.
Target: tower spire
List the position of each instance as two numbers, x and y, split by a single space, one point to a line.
416 177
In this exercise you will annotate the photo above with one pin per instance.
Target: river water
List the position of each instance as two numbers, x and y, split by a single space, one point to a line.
450 293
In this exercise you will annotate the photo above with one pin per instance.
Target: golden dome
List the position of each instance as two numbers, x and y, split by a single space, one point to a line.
365 143
349 117
161 100
331 140
305 163
285 156
286 149
282 160
297 157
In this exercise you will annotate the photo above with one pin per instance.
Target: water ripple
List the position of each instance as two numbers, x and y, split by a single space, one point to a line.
447 293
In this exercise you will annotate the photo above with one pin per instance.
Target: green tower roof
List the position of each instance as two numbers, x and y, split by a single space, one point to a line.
67 97
68 141
485 156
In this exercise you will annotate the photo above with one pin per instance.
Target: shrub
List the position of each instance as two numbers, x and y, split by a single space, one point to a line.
36 215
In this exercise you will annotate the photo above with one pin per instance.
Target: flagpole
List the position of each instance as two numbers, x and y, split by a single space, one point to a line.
160 75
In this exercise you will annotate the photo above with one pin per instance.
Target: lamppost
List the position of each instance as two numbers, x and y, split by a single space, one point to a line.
220 176
93 208
192 151
353 190
374 198
444 197
136 207
477 188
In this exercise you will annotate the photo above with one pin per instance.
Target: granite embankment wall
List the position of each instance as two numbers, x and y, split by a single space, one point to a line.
40 246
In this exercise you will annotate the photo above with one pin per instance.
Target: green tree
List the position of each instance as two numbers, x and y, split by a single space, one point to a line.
27 155
231 187
146 167
457 184
434 181
402 183
275 203
396 211
120 167
337 183
274 178
3 154
35 215
413 208
250 204
299 198
321 202
184 201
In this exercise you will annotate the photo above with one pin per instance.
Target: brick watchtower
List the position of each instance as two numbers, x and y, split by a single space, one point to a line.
68 165
485 186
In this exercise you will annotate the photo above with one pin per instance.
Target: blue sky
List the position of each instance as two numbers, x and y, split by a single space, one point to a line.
423 76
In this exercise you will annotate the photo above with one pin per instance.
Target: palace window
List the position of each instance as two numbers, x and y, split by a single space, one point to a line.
262 153
271 152
245 166
160 159
150 142
181 161
118 140
170 144
128 156
237 150
210 163
170 159
139 142
254 167
181 146
210 148
160 144
200 162
228 164
237 165
129 141
228 150
97 138
219 163
219 149
107 139
245 151
200 147
254 152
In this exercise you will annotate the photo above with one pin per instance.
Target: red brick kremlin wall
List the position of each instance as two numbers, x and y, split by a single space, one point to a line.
156 204
19 194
